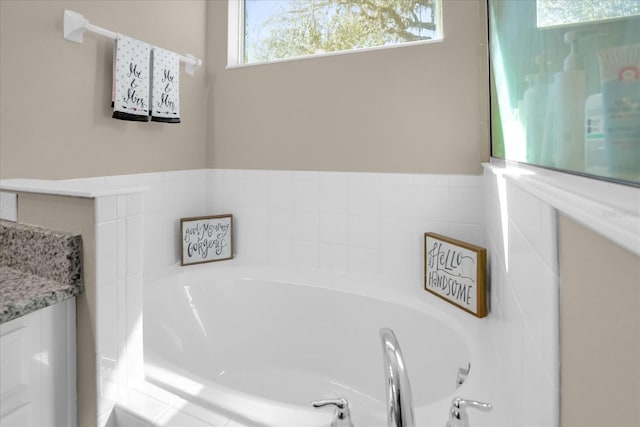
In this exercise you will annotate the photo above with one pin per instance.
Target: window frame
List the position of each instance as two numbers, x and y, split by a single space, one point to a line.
235 40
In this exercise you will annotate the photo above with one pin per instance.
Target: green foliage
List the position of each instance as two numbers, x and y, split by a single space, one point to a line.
559 12
316 26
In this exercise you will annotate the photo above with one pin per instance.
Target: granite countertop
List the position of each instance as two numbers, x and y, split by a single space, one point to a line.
22 293
38 267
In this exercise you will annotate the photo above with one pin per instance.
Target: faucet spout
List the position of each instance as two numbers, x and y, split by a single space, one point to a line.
399 400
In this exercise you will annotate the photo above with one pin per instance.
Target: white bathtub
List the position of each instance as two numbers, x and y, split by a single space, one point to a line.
258 345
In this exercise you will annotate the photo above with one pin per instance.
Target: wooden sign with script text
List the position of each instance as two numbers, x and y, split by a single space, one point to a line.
456 272
206 239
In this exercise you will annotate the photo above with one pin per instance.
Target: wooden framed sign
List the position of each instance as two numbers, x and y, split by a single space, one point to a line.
456 272
206 239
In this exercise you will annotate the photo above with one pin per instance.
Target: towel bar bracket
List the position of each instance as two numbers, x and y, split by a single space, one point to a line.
190 68
75 25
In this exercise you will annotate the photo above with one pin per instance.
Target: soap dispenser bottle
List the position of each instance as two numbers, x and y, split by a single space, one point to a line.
569 92
535 101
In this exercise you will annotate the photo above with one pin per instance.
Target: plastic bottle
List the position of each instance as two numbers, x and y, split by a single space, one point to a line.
595 149
521 117
535 101
522 104
620 73
569 95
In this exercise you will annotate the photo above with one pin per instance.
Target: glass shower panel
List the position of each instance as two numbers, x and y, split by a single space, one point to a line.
565 85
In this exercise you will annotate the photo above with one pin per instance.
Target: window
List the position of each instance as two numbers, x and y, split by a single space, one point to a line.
565 85
279 29
552 13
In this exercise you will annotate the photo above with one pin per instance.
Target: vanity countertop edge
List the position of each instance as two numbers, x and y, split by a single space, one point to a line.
39 267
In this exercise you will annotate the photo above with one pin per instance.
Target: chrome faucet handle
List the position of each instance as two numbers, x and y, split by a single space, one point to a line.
342 416
458 415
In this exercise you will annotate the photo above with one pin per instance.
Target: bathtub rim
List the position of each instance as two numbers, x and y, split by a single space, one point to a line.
410 295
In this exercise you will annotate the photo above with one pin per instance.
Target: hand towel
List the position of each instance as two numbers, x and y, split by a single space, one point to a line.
131 80
165 92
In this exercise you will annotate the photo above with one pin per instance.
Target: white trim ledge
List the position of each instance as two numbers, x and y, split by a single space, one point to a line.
73 188
612 210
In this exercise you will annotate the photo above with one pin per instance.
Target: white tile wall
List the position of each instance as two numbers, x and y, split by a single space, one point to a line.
119 265
361 223
366 223
170 196
521 240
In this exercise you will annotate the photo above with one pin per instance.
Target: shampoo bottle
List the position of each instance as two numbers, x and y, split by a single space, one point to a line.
620 73
535 101
569 95
522 104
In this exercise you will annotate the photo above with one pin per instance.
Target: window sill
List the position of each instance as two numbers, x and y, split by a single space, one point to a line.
338 53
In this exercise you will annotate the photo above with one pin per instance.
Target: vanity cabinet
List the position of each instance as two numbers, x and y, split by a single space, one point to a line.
38 368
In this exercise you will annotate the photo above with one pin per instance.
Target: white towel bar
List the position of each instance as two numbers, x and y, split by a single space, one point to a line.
75 25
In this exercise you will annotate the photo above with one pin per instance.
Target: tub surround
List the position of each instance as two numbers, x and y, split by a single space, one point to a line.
38 267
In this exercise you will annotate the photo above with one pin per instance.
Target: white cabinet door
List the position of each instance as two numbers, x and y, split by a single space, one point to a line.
37 382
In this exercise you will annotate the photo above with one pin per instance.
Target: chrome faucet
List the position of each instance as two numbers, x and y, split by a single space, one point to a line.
399 400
